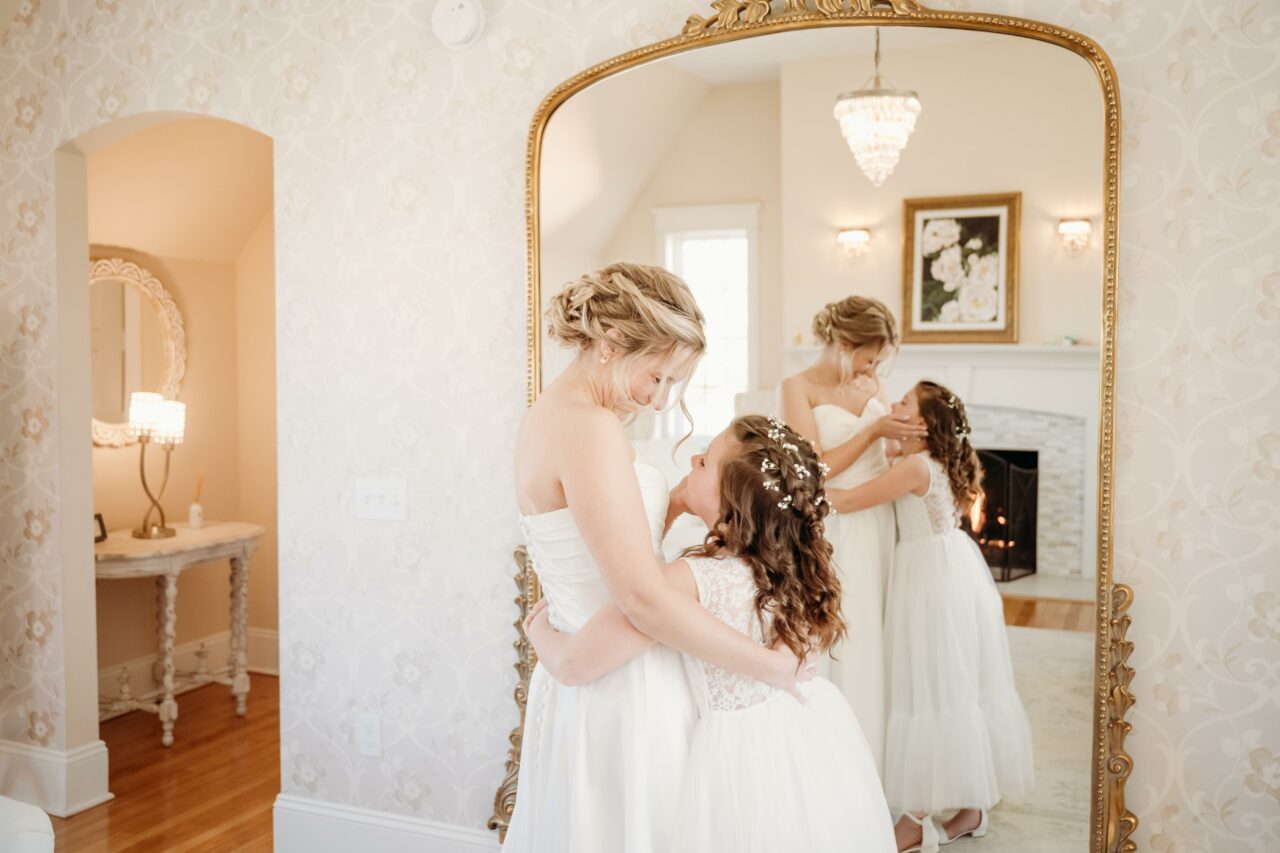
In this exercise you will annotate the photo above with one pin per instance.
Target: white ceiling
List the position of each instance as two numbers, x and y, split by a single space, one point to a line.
192 188
758 59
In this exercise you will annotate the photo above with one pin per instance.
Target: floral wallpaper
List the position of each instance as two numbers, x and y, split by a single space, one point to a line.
400 272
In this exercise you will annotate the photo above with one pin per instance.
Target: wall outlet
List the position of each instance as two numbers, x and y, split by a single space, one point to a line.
369 735
382 499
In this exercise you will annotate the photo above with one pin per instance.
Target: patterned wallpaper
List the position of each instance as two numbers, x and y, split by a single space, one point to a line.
399 175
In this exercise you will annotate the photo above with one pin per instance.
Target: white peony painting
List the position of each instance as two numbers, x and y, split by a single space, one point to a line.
961 280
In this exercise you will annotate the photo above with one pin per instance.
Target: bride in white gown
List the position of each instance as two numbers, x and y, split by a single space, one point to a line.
835 404
601 764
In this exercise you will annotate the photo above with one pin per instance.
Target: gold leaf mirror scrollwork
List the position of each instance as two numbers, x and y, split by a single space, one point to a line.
705 47
138 343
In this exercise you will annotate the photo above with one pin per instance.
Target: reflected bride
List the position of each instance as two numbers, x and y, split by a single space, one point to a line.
836 403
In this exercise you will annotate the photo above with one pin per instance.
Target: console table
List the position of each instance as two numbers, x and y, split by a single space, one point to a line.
122 556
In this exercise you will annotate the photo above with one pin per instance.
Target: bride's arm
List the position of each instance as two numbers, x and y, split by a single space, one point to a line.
598 477
606 642
909 475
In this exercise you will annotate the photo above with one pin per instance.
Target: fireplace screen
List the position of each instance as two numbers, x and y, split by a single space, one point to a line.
1003 521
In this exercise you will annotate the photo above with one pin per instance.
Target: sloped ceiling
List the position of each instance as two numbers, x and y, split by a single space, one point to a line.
191 188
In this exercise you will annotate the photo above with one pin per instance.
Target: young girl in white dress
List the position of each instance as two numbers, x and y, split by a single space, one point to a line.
958 737
768 771
834 404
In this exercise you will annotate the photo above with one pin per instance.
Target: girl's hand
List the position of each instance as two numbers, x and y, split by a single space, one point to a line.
790 672
898 428
534 612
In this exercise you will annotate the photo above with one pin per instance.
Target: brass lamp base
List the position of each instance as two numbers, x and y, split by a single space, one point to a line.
155 531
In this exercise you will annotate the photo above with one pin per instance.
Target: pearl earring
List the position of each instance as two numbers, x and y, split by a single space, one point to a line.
604 359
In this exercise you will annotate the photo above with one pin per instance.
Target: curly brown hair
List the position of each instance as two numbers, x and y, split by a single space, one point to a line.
772 505
948 441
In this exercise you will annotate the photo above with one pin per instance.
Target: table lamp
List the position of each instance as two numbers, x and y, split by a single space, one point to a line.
153 419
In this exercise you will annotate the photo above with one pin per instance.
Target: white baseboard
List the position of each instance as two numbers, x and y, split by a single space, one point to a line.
61 783
304 825
263 653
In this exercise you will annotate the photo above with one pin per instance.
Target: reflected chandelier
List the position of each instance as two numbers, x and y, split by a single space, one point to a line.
877 121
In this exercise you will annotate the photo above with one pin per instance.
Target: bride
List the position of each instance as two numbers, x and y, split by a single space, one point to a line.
836 404
601 764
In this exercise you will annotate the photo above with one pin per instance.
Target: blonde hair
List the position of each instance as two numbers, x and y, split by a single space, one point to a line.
856 321
639 310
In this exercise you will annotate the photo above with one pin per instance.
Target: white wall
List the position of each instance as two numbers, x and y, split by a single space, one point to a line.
727 153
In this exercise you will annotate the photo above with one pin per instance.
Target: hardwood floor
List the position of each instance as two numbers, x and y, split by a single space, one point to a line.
1056 613
211 791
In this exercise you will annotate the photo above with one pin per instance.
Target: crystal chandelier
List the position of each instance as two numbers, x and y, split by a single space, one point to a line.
877 122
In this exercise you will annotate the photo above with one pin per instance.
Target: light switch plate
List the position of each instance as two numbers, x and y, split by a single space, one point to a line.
382 499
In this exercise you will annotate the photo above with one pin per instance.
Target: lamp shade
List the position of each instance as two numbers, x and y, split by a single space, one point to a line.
143 412
1075 233
171 421
854 241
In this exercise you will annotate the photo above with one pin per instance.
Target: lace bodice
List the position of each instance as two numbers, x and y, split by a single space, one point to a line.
727 590
934 514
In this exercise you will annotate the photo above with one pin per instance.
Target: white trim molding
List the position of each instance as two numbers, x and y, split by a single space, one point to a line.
304 825
61 783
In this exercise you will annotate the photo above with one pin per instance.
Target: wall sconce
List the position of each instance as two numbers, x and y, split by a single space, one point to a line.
1075 234
155 420
854 241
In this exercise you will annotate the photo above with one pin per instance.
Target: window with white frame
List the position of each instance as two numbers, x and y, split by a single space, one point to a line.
713 249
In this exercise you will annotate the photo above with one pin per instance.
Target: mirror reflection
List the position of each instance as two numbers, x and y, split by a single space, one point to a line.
127 345
926 319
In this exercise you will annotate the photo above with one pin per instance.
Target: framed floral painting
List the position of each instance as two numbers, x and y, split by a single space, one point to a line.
960 269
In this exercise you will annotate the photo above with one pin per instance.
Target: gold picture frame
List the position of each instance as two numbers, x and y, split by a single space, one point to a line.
977 220
1112 824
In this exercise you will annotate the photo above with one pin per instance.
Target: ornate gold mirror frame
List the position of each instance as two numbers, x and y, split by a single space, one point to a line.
1112 824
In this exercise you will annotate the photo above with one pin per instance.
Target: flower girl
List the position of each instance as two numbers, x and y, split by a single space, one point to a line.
768 771
958 736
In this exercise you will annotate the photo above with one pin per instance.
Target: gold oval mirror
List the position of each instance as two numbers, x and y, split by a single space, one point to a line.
732 154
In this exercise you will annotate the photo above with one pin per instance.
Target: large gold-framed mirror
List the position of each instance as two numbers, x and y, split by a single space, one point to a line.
716 153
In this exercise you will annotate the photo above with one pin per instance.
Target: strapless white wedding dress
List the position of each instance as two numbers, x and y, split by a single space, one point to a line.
601 764
863 544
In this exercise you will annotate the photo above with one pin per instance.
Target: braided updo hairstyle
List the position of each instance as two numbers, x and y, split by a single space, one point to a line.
948 441
772 506
640 310
856 321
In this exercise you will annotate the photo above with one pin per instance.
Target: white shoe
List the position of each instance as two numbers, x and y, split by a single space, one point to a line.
977 832
929 835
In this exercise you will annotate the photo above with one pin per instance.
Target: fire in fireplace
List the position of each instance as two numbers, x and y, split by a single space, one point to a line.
1003 521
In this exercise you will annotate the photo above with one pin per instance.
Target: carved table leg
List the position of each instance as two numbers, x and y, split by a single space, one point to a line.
239 633
166 606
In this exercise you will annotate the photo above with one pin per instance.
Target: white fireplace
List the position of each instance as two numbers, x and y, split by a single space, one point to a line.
1020 397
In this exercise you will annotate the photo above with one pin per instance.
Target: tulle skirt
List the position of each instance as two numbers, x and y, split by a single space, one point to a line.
601 764
958 736
862 543
783 776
